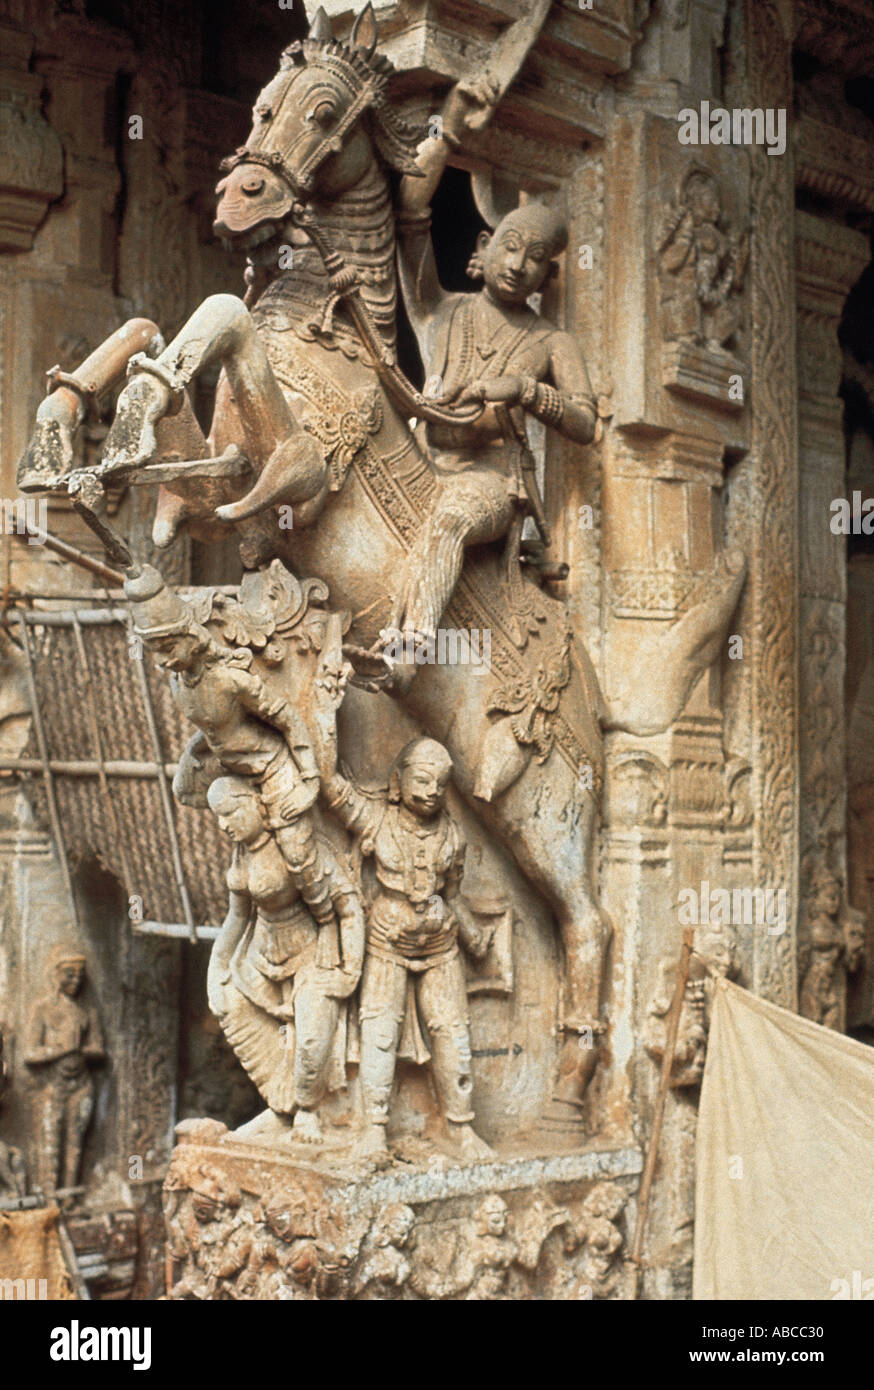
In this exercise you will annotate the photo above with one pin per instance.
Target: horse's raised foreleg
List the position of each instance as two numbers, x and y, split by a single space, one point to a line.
48 458
221 331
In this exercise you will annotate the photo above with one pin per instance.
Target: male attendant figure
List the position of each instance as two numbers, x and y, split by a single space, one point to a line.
412 967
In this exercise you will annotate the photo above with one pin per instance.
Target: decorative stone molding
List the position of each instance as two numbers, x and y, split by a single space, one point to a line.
31 156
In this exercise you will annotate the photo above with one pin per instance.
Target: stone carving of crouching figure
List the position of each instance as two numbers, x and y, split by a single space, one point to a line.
412 964
63 1039
277 981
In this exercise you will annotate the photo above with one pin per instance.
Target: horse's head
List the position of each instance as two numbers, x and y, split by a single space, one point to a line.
316 125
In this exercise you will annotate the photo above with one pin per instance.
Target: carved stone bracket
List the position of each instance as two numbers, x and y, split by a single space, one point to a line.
31 157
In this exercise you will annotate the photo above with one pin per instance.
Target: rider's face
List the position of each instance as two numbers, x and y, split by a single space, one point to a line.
515 263
423 787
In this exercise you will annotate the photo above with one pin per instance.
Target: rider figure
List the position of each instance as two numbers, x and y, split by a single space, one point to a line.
490 347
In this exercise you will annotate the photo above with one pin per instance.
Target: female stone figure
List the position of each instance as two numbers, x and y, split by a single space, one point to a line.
276 981
835 947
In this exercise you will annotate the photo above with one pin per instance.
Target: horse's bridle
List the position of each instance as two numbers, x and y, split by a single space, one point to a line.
344 280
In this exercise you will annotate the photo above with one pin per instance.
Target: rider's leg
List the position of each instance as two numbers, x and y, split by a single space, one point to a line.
471 508
312 863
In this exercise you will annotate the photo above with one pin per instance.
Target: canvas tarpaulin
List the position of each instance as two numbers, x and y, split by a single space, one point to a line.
784 1200
30 1251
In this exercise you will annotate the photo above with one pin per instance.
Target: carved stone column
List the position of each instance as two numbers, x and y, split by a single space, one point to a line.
763 507
829 260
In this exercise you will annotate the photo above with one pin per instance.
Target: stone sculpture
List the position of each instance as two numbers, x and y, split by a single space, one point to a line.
277 979
489 347
318 349
415 925
63 1041
702 267
835 937
313 459
213 1233
714 958
246 732
385 1269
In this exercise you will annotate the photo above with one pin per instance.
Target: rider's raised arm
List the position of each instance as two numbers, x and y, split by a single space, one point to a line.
421 287
423 293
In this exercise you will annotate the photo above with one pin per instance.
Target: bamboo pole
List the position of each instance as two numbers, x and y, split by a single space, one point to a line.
673 1027
87 767
166 800
78 557
54 818
174 929
65 617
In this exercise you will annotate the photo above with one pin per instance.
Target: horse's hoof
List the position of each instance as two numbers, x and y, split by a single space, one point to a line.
131 442
48 458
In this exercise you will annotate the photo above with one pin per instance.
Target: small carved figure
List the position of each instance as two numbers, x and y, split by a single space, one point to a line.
277 981
385 1269
702 267
415 923
284 1261
491 1252
13 1179
489 347
248 733
596 1272
63 1040
714 957
835 946
211 1233
467 1259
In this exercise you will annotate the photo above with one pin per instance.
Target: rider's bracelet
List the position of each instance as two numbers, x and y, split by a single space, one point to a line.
548 405
528 394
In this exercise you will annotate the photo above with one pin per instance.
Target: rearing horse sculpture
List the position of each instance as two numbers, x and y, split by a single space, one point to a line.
311 413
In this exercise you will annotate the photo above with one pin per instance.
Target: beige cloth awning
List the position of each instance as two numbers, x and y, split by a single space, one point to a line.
784 1202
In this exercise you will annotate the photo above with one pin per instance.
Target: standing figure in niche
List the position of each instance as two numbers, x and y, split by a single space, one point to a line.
412 967
702 268
489 347
277 980
63 1040
835 948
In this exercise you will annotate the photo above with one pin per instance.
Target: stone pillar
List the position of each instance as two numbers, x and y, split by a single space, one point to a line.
763 504
829 260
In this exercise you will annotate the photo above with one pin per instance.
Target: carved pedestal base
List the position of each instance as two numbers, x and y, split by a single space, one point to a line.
248 1221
